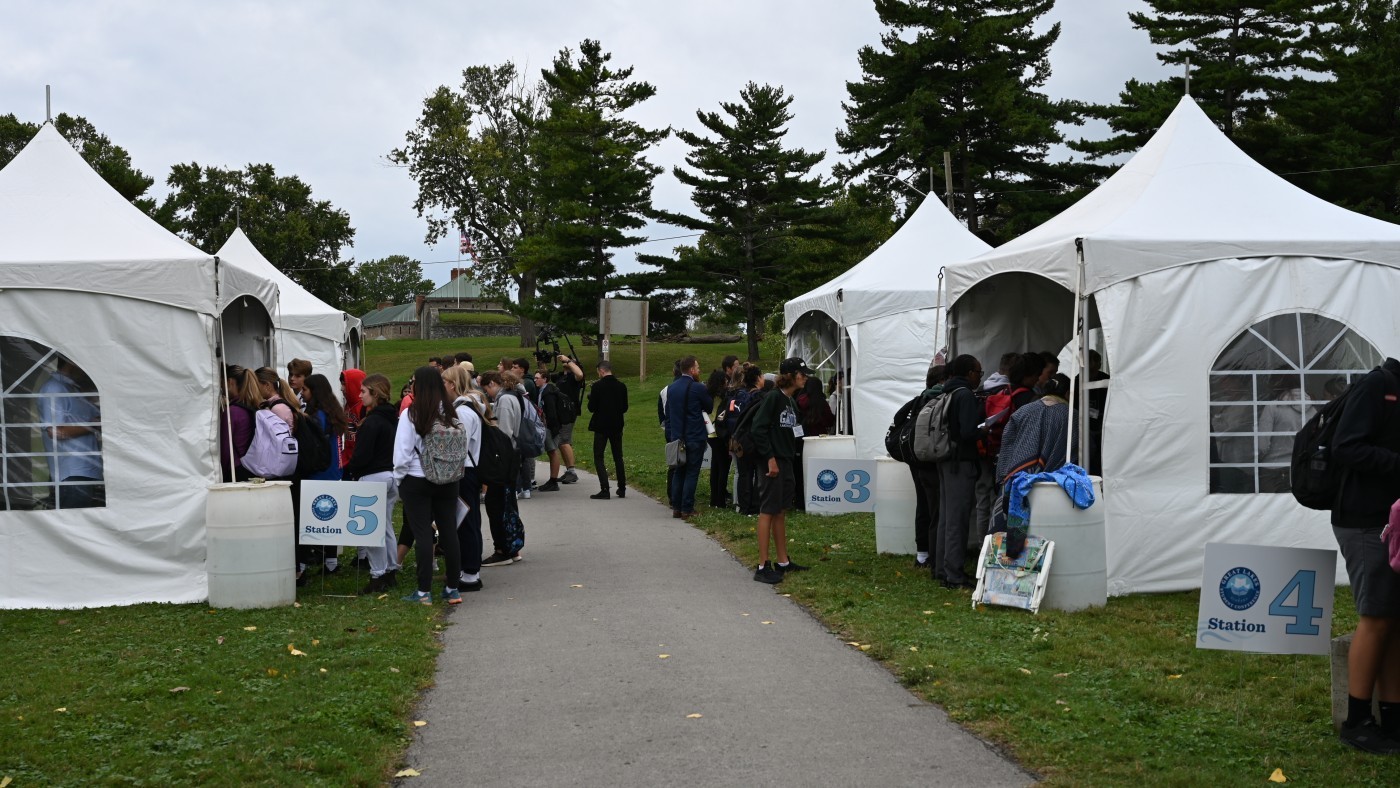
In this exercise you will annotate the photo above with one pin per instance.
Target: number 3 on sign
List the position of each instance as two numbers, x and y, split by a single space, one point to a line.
1304 583
362 520
860 486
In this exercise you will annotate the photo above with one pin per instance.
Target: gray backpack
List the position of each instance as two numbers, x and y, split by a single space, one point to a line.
933 436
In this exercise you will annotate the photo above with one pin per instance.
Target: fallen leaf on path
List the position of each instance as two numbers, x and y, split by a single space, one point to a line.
767 622
1060 703
272 671
947 604
323 670
693 716
663 656
928 612
853 642
180 689
62 709
1276 777
743 614
1175 676
250 629
407 773
6 781
219 640
1025 671
419 723
393 670
382 596
296 604
913 648
315 642
865 647
576 585
294 651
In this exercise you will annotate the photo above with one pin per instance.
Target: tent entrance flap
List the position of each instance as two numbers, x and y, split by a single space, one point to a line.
247 334
1014 311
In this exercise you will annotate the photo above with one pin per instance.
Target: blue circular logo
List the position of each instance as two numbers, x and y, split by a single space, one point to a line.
1239 588
324 507
827 480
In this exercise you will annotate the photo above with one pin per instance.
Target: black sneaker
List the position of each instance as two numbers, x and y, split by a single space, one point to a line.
792 566
467 588
921 565
376 585
600 496
1368 737
621 492
550 486
498 559
392 578
362 563
569 477
767 573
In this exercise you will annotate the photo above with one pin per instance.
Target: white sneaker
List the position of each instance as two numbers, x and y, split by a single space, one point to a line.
525 494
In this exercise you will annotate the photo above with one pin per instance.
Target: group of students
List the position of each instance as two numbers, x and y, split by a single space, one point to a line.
755 425
1014 420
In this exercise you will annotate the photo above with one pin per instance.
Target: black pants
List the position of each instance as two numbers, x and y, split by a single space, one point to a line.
423 504
469 530
748 485
957 493
926 509
600 441
719 472
495 505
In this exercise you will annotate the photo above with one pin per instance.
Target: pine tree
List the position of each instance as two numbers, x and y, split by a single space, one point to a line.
1245 55
755 196
593 175
963 76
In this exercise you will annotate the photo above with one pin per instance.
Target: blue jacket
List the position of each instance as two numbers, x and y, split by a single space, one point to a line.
684 415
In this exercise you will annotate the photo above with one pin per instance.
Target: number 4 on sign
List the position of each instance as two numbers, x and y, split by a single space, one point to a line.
1303 609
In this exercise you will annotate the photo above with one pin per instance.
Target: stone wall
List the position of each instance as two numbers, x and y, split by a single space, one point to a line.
444 331
393 331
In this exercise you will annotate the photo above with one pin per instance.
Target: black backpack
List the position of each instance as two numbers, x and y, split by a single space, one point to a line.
497 462
741 441
313 446
1316 480
899 438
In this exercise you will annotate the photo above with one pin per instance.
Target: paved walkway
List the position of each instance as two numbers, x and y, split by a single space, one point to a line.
553 675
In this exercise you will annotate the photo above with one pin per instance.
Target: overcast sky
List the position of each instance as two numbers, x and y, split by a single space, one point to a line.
323 90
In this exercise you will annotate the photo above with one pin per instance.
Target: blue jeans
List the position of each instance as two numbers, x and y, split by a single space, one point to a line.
685 478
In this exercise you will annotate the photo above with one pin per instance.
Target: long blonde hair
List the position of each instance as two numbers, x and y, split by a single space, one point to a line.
269 375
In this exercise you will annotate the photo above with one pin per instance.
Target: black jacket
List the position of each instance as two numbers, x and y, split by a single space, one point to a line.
374 443
963 417
1367 446
607 401
548 398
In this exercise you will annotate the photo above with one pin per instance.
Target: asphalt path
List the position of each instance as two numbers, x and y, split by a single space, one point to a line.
630 649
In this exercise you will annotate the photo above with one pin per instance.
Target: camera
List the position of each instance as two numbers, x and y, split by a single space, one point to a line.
548 337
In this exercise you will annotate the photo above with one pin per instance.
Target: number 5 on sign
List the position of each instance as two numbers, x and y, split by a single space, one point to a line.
343 513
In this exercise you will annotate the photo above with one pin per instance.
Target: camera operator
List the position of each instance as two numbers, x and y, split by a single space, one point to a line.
569 380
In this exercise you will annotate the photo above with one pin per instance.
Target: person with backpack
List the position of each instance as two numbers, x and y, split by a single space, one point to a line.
282 402
428 443
502 511
776 429
569 382
607 401
373 461
957 475
1017 388
236 421
551 403
925 475
686 405
459 387
323 408
745 400
1366 449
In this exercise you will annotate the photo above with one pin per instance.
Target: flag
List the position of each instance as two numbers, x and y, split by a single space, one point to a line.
465 246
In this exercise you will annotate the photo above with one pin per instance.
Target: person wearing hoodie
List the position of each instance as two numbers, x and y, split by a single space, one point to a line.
373 461
351 383
957 476
926 486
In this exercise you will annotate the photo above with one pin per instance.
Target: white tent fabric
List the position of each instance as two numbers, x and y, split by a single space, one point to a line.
87 274
307 327
1185 248
888 305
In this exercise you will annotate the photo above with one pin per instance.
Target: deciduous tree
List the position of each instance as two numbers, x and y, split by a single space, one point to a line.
396 278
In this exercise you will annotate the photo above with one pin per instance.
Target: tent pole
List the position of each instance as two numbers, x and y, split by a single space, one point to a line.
841 372
1077 392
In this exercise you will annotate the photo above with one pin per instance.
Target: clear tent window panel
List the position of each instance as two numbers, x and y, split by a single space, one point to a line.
1266 384
50 430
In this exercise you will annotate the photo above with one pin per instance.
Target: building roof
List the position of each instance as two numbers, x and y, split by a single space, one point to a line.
403 313
461 287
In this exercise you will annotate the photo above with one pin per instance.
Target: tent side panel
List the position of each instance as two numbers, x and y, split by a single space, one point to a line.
152 367
891 363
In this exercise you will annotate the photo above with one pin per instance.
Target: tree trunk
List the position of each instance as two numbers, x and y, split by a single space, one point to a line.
528 331
750 312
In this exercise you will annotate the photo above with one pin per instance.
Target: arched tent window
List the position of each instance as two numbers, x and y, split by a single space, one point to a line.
1265 384
247 333
50 430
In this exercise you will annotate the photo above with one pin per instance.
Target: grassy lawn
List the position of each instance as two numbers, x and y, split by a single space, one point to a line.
1109 697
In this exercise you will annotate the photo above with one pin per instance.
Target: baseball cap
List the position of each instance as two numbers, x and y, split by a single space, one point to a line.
793 365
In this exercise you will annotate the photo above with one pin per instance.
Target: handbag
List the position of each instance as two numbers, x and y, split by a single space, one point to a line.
1390 535
675 450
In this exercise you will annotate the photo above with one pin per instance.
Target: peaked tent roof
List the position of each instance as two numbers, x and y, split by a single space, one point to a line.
900 276
298 309
1188 196
55 210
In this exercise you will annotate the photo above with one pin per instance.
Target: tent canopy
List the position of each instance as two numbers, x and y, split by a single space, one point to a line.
1188 196
298 309
900 276
55 210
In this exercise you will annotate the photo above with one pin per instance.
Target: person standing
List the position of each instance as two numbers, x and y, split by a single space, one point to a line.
569 382
547 399
925 476
323 408
717 386
373 461
459 387
746 467
500 498
1367 447
423 501
957 476
686 405
607 401
776 430
298 370
72 429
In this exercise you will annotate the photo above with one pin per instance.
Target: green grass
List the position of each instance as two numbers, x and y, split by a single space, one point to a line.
1137 703
478 319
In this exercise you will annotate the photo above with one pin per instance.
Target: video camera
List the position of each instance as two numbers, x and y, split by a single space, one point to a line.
548 337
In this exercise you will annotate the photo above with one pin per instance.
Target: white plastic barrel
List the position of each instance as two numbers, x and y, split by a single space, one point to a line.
251 550
1078 570
895 502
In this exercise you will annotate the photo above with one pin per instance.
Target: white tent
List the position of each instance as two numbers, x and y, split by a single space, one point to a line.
888 307
1229 303
111 324
307 327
